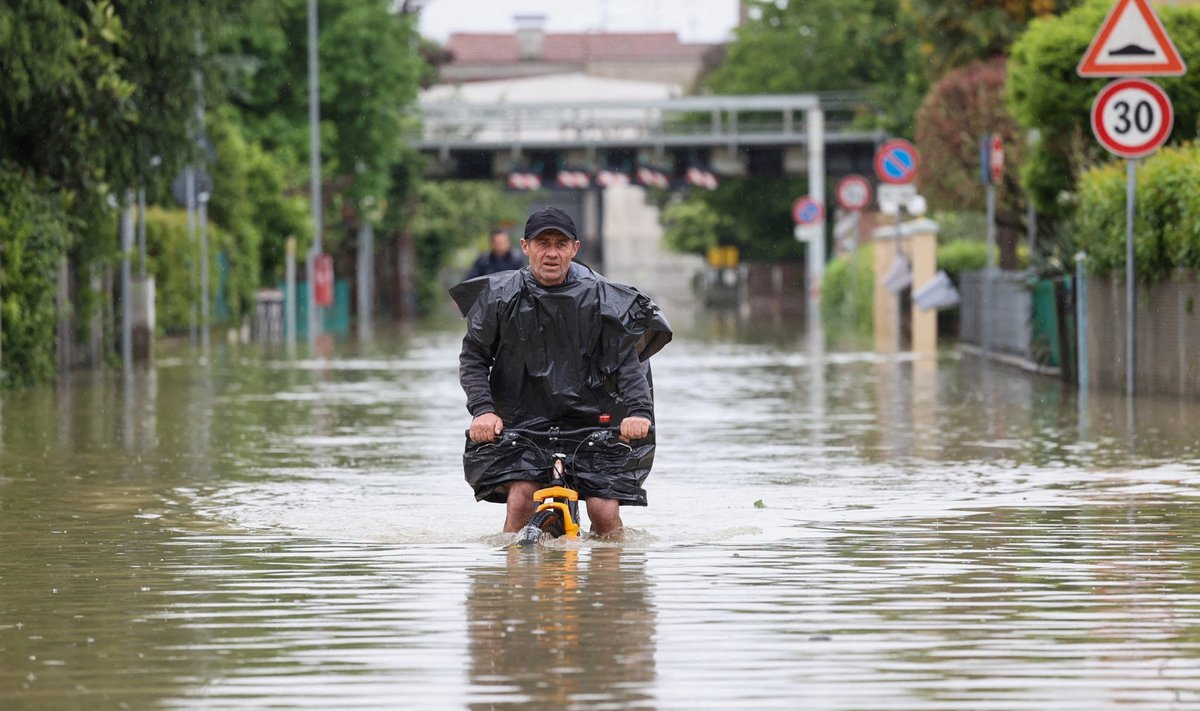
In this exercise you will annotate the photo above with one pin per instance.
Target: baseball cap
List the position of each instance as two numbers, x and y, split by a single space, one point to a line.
549 218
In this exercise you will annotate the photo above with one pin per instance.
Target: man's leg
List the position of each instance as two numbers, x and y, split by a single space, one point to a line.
605 515
519 504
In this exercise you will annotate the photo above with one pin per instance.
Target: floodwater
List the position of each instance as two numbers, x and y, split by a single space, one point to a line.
828 529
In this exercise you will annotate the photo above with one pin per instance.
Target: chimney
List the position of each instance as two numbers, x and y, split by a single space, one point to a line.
531 37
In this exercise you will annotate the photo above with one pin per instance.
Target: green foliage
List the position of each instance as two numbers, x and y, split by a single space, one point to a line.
450 215
34 235
962 256
1167 219
758 212
1044 93
370 71
826 45
848 291
173 261
692 227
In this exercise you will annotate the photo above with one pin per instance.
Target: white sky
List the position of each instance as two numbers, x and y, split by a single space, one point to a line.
694 20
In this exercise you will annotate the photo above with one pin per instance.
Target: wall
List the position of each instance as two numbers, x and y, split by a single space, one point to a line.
1168 335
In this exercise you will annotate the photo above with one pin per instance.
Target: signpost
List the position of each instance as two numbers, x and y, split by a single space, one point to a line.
1131 117
896 164
853 193
809 216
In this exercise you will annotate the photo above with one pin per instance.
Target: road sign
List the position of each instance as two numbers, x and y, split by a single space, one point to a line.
1132 42
807 211
896 162
323 280
892 197
996 158
808 233
853 192
1132 117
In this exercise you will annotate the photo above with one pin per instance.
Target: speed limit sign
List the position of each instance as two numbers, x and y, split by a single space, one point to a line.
853 192
1132 117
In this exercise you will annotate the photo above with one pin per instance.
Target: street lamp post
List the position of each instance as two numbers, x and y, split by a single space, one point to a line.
314 147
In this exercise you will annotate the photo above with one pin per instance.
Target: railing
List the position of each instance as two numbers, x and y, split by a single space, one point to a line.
696 120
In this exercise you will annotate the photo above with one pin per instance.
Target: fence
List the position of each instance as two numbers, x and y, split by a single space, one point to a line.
999 321
1168 335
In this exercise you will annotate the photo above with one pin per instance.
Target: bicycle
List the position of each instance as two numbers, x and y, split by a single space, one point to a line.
556 512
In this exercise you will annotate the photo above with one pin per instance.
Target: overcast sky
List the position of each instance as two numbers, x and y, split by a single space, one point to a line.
694 20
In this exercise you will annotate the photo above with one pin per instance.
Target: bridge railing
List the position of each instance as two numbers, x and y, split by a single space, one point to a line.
697 120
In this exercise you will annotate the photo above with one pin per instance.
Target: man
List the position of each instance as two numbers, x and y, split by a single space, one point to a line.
556 344
500 258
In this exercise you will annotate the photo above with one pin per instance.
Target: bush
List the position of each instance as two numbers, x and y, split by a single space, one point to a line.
172 260
848 291
34 236
1167 216
962 256
692 227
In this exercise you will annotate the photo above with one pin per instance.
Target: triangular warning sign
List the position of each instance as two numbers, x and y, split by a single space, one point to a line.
1131 43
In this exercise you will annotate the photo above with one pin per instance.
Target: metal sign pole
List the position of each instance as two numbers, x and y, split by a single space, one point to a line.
1130 276
314 148
990 271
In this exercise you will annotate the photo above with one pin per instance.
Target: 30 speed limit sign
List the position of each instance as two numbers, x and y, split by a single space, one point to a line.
853 193
1132 117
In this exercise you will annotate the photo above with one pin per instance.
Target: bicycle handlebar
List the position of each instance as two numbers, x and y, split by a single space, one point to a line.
556 433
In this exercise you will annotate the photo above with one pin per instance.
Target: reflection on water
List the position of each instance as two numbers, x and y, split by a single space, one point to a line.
561 626
255 531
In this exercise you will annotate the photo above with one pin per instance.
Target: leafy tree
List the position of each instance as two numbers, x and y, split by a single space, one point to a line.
956 34
826 45
693 227
958 111
1044 93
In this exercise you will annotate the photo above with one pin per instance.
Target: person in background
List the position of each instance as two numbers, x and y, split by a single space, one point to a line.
500 258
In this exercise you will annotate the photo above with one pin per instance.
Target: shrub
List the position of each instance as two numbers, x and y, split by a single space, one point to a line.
1167 215
34 236
848 291
173 262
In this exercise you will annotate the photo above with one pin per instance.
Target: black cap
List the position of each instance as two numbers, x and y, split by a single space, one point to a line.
549 218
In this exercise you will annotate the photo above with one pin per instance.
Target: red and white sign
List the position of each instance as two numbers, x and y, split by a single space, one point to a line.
701 178
576 179
520 180
1131 43
611 177
1132 117
853 193
653 178
323 280
896 162
996 158
807 211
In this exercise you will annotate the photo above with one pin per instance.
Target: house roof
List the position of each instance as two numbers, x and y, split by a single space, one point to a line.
572 47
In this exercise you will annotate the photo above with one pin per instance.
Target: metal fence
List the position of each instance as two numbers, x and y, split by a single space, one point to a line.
996 317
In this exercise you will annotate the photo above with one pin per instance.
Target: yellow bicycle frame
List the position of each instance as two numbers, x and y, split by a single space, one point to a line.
570 527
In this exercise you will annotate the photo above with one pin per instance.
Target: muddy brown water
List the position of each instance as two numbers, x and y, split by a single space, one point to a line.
828 529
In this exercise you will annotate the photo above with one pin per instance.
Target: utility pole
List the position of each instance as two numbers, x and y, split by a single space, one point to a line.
314 148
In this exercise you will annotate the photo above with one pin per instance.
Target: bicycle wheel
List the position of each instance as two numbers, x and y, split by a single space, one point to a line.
548 522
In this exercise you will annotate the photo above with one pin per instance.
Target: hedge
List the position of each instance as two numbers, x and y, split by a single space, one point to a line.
173 261
847 290
1166 216
34 235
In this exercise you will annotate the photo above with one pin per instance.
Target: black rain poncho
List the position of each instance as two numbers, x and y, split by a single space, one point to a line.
561 356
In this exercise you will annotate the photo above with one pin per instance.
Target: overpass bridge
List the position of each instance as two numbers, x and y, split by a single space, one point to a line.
755 135
813 135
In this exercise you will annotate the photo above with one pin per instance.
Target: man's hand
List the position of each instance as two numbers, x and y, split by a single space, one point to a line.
634 428
486 427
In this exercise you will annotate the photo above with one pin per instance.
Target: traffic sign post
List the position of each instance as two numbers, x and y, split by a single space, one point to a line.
1132 42
991 172
1131 118
896 162
853 193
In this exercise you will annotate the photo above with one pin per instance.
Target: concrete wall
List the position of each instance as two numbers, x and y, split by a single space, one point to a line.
1168 335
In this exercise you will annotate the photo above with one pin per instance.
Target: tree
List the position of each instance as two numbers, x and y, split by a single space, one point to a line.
958 111
1044 93
826 45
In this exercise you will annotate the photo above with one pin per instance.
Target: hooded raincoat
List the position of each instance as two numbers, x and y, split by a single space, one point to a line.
560 356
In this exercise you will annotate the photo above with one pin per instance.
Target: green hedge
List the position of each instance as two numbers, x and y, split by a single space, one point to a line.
34 235
848 290
1167 214
173 261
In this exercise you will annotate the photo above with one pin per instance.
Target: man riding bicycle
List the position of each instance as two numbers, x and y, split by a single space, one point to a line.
555 344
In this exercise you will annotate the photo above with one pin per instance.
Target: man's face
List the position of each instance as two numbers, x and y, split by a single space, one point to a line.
550 255
500 243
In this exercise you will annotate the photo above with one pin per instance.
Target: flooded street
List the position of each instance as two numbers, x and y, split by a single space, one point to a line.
827 529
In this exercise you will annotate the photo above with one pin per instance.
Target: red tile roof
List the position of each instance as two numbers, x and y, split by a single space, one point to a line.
571 47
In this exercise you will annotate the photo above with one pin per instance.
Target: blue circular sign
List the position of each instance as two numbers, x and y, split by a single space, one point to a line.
896 162
807 211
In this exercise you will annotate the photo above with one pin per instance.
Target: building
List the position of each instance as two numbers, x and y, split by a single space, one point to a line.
530 51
